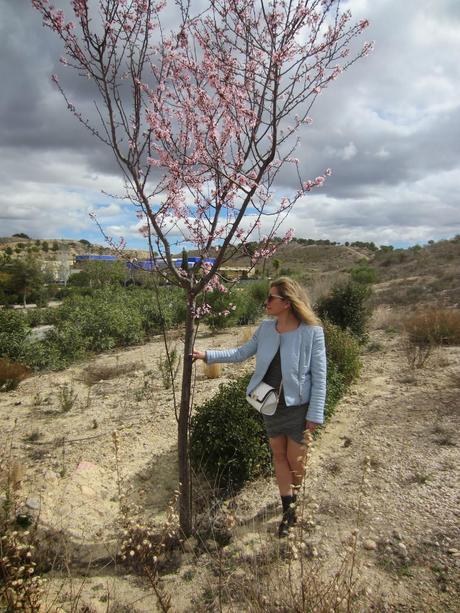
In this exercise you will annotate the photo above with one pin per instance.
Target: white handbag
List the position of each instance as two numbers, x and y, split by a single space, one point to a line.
264 398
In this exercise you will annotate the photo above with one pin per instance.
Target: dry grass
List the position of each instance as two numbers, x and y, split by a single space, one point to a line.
428 329
323 284
384 317
94 373
11 374
433 327
245 336
212 371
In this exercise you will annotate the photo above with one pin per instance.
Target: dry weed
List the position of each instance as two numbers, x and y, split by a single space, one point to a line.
94 373
11 374
433 327
212 371
245 336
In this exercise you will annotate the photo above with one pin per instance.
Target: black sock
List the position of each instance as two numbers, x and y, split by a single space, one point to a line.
286 502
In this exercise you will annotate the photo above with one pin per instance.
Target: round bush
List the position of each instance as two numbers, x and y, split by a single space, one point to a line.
364 274
249 301
347 307
228 441
343 351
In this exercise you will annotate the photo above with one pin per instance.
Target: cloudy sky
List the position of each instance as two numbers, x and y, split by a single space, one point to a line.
389 128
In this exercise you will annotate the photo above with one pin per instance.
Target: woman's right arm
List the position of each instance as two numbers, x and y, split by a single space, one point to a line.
239 354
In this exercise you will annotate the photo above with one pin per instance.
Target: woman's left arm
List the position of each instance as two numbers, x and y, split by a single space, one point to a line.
318 369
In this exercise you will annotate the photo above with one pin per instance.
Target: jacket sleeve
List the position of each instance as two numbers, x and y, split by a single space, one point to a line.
318 369
234 355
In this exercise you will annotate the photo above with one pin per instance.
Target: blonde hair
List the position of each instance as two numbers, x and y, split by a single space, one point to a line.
298 298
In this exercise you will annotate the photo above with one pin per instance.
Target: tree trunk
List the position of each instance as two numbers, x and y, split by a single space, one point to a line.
185 498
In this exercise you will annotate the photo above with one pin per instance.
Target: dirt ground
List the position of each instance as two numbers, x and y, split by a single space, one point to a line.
58 429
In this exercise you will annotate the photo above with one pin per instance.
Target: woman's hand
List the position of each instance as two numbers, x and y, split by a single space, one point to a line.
310 426
198 355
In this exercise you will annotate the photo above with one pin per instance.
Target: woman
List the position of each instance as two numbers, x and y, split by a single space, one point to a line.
289 350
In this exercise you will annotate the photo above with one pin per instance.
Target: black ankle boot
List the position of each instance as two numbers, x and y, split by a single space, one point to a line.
289 517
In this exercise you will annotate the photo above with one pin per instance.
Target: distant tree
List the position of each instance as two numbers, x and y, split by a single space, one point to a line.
21 235
102 274
25 278
184 262
45 247
9 251
276 265
55 246
84 242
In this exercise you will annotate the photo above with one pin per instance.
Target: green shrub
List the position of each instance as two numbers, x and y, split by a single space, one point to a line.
364 274
13 333
228 441
43 355
342 350
222 315
41 317
348 307
343 364
249 301
336 388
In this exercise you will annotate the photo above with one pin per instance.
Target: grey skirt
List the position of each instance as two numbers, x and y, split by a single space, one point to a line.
288 421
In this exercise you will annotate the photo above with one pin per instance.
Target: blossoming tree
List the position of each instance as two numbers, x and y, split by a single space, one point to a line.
201 120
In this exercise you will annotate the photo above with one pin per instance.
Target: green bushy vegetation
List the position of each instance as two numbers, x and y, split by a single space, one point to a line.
13 334
348 307
343 364
228 443
247 301
98 321
363 273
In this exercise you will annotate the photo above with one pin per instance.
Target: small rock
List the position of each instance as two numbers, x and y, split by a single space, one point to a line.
397 535
453 551
33 504
50 475
370 545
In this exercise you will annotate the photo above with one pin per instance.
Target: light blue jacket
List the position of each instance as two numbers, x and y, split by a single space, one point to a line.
303 363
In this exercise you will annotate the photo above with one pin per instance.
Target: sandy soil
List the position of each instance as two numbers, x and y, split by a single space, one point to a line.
59 427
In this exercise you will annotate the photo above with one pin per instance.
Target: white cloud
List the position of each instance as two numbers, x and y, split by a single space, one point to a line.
388 128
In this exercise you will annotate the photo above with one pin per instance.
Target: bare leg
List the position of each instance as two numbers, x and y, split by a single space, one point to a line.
283 473
296 458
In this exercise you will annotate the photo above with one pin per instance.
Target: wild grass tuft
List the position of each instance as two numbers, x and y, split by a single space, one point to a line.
11 374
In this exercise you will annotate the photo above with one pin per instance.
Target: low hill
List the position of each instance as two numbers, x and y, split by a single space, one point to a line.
416 275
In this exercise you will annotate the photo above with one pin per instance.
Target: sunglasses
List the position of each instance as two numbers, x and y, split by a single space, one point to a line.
271 297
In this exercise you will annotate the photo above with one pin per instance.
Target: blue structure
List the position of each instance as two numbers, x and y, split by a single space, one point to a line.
144 265
95 258
141 264
193 260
